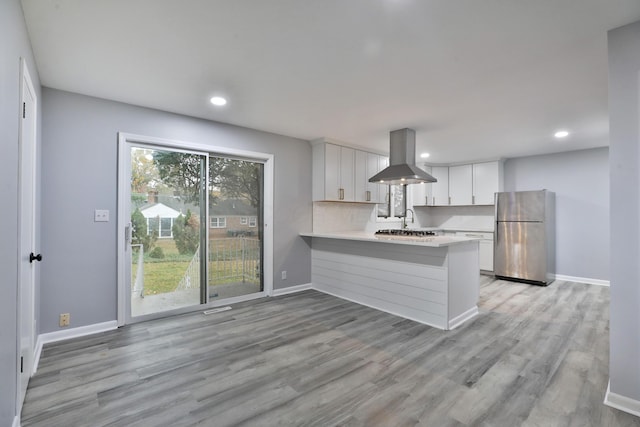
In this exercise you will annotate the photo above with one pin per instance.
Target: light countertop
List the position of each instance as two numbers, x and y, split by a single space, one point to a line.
364 236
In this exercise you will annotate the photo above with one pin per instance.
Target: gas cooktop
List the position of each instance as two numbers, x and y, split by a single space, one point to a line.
404 233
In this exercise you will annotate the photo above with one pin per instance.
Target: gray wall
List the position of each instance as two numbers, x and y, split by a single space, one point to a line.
15 44
624 69
580 180
79 175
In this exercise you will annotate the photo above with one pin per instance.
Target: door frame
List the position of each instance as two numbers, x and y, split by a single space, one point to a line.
28 166
124 142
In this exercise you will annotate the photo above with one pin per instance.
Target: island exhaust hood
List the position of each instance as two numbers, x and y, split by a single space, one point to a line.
402 161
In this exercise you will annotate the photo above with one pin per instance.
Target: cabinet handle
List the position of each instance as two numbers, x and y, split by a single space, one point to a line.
434 200
449 199
341 193
426 200
473 200
368 195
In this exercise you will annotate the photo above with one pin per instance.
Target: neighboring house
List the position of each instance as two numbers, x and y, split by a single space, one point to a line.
232 217
160 218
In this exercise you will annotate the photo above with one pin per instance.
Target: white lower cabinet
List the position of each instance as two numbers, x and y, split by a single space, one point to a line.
486 248
486 255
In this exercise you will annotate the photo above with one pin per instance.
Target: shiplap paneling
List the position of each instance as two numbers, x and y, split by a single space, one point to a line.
412 281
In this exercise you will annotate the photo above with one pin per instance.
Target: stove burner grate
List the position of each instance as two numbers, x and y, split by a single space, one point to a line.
405 232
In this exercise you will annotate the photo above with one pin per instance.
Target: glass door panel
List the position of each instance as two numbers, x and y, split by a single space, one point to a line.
168 235
235 223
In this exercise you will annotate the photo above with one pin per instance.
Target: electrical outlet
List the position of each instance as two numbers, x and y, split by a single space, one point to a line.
101 215
65 319
284 274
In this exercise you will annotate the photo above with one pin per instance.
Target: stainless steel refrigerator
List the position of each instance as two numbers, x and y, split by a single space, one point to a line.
524 248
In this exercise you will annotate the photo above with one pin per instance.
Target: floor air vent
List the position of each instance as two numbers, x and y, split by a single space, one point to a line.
217 310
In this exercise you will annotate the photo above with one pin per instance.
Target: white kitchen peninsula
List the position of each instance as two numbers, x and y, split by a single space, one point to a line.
434 281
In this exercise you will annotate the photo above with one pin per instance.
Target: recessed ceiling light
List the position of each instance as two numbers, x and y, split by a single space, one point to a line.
561 134
425 155
218 100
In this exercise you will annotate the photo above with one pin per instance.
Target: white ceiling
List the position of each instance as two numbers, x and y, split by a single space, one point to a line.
476 79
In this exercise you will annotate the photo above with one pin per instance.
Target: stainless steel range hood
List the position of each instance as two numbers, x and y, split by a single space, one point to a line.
402 161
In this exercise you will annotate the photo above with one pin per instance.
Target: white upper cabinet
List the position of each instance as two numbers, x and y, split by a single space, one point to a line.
440 189
460 188
333 172
465 185
373 167
366 165
383 190
361 179
342 174
487 180
347 190
422 194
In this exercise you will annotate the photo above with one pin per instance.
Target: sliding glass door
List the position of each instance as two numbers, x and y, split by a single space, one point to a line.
194 229
168 229
235 227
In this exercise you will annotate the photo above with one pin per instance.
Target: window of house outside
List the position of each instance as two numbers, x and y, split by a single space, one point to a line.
218 222
165 227
243 220
252 221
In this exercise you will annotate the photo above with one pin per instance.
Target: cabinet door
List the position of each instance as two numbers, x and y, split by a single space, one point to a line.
440 189
460 185
486 255
428 188
361 179
421 194
373 165
331 172
347 174
486 182
485 250
383 189
418 194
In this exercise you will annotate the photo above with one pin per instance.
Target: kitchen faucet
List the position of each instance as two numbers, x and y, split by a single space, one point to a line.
404 218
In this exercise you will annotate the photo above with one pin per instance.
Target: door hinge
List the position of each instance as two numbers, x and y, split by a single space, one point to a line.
24 110
21 364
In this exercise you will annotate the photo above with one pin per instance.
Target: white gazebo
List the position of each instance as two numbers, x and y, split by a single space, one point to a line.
160 217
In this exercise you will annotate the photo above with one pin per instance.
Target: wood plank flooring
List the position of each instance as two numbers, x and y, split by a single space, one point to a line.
533 357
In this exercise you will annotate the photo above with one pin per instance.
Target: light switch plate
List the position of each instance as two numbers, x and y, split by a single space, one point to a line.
101 215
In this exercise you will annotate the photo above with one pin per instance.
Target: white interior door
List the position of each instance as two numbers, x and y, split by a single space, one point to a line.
26 243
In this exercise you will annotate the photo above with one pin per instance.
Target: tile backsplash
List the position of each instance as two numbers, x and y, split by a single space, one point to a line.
341 216
462 217
344 216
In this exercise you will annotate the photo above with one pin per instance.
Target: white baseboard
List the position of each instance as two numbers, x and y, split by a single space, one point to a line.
459 320
291 289
621 402
67 334
586 280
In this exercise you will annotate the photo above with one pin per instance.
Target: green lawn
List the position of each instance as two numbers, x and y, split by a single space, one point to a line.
163 275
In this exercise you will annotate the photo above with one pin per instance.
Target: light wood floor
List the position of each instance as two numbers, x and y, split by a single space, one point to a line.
534 357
